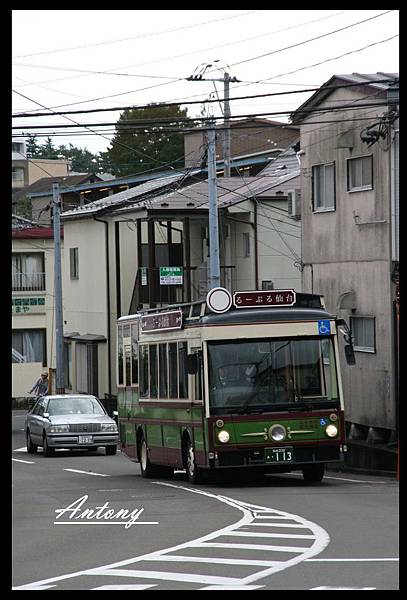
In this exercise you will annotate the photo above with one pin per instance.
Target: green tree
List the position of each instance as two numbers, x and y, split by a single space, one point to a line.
138 150
32 146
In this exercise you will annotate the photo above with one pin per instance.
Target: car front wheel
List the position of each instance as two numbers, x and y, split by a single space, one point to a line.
46 450
31 448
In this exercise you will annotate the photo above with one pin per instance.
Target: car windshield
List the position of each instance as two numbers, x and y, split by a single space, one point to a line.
74 406
258 375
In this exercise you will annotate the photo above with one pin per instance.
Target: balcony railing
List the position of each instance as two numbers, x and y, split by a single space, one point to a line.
28 282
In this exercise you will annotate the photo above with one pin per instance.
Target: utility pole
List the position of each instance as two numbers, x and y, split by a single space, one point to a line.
226 121
227 79
59 323
214 264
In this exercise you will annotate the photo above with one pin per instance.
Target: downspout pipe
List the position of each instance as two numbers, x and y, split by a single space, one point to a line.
109 344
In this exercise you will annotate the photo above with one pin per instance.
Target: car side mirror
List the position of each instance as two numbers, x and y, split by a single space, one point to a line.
46 415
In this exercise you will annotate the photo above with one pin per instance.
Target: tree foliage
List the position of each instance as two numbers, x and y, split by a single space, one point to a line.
136 150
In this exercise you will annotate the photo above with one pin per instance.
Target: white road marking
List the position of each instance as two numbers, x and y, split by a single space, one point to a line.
320 539
329 587
23 449
27 462
33 586
127 586
339 478
232 587
351 560
87 472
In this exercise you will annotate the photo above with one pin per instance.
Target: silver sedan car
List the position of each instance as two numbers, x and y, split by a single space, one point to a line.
70 421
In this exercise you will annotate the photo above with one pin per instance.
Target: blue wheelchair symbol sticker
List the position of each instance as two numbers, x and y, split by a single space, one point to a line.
324 327
322 422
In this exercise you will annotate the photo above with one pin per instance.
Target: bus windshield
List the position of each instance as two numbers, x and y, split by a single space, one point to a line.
260 375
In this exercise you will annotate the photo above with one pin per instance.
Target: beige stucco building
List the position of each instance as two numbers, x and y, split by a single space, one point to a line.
33 323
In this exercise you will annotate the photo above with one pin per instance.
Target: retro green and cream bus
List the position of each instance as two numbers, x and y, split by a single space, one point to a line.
249 381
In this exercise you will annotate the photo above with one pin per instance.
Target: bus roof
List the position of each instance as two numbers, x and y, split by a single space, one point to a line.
307 307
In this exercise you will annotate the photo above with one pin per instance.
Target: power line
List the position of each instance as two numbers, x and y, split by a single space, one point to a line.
142 35
141 123
310 39
113 71
209 101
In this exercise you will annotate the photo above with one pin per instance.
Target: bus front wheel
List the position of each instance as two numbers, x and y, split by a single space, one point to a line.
146 467
313 473
194 474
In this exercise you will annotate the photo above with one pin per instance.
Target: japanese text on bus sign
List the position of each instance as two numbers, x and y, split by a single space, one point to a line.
264 298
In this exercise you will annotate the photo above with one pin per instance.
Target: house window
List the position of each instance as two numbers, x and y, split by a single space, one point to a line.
323 187
16 147
28 272
74 263
67 364
17 174
30 343
360 173
246 245
363 333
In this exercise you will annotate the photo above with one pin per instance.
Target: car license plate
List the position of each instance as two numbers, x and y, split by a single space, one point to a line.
279 455
85 439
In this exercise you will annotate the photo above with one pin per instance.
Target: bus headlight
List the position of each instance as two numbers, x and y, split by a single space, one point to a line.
331 431
277 433
223 436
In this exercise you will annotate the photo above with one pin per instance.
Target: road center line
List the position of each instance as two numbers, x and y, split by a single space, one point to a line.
28 462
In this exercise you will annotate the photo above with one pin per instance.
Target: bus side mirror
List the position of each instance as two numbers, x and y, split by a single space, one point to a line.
191 363
350 355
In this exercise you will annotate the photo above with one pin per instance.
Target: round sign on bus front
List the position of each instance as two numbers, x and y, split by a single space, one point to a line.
219 300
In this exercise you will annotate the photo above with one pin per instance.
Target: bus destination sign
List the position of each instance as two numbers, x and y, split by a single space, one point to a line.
264 298
161 321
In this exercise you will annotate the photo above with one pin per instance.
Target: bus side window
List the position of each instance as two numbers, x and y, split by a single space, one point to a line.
126 354
162 371
134 354
120 379
153 369
183 377
198 375
144 388
173 370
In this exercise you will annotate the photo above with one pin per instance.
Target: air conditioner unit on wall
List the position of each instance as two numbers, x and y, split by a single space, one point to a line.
294 204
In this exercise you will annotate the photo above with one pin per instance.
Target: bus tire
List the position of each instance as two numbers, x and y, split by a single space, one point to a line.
313 473
146 467
194 474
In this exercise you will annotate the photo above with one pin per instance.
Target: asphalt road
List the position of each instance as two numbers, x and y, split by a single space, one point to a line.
83 520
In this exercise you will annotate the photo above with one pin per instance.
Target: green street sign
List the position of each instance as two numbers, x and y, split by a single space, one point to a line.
171 275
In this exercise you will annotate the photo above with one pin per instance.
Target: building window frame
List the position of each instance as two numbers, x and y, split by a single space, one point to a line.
74 263
360 338
320 202
39 330
351 185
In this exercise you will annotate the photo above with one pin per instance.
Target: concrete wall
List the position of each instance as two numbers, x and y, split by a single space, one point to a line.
253 138
23 377
42 167
341 254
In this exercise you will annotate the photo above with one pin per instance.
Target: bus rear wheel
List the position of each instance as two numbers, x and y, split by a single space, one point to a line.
313 473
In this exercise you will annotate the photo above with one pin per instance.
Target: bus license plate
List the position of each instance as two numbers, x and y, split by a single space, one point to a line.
279 455
85 439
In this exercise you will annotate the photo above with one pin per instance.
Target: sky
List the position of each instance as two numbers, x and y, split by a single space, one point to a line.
90 59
